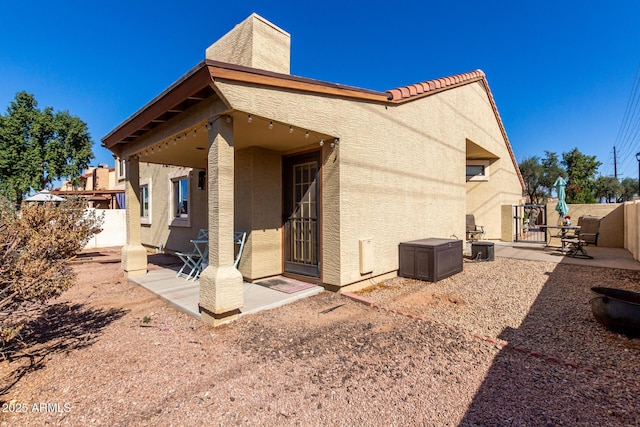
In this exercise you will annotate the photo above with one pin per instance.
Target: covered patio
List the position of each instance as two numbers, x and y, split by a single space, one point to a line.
229 170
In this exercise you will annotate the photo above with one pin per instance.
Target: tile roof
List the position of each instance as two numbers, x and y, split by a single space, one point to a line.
428 87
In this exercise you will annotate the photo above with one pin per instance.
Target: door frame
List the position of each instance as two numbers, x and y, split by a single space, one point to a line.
287 161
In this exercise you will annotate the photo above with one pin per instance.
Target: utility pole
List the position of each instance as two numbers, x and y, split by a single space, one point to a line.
615 163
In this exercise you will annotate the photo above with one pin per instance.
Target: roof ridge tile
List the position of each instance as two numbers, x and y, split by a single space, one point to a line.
408 91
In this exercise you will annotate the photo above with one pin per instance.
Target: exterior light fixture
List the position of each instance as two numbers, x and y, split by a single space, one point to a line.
306 135
334 143
321 142
228 119
270 125
249 118
290 129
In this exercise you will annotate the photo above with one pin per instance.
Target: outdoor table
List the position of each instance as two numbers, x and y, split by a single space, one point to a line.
562 230
193 260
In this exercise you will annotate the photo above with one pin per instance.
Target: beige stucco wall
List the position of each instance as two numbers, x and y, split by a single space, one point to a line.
632 229
507 232
255 42
612 226
484 198
101 180
113 181
158 233
258 211
373 185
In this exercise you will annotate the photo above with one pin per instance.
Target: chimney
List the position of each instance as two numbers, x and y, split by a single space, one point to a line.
255 43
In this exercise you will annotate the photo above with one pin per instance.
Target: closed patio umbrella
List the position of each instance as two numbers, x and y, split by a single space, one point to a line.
561 207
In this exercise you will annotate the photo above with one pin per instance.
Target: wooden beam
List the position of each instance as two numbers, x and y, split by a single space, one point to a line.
173 96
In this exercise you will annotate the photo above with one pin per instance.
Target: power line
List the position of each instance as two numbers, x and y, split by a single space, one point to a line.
627 140
626 119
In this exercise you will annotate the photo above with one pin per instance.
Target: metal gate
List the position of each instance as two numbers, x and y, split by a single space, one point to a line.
529 221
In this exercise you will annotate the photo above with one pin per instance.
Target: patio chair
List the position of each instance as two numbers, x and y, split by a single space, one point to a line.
203 233
587 235
474 232
239 238
193 261
197 260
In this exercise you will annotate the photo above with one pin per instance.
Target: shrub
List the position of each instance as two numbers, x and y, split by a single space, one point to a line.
36 245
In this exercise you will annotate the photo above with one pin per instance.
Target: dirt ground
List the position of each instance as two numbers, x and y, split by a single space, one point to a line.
110 353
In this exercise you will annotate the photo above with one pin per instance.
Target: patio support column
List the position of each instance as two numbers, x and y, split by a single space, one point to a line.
134 255
221 294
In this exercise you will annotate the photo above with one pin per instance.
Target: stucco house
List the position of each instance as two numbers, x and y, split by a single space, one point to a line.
326 179
98 185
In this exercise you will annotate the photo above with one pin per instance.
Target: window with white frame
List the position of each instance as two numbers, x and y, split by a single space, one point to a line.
477 170
179 208
145 201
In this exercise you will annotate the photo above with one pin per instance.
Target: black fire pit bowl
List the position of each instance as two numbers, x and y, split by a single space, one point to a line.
617 309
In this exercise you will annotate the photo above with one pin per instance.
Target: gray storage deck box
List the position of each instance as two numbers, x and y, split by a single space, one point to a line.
430 259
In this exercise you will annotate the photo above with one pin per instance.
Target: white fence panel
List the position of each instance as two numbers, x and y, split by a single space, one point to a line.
113 229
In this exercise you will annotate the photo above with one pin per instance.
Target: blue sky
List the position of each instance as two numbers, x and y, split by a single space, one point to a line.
561 71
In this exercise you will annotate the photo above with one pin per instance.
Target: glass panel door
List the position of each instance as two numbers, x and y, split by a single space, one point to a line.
301 214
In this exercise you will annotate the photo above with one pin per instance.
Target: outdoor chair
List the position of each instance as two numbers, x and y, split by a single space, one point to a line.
586 235
193 261
196 261
239 238
474 232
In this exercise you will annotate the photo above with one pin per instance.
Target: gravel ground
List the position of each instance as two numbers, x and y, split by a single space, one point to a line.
109 353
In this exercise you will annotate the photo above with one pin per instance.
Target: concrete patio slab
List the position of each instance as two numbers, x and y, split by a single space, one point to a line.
602 257
185 294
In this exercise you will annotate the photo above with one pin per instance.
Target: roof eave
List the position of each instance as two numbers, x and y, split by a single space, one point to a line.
191 83
206 73
238 73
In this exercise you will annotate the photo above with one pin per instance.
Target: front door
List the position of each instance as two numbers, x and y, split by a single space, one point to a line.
301 214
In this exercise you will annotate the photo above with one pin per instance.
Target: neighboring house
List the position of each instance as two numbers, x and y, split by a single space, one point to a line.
99 186
104 194
326 179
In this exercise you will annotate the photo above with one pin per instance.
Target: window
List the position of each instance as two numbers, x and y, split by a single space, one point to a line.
477 170
121 169
145 201
179 208
181 198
